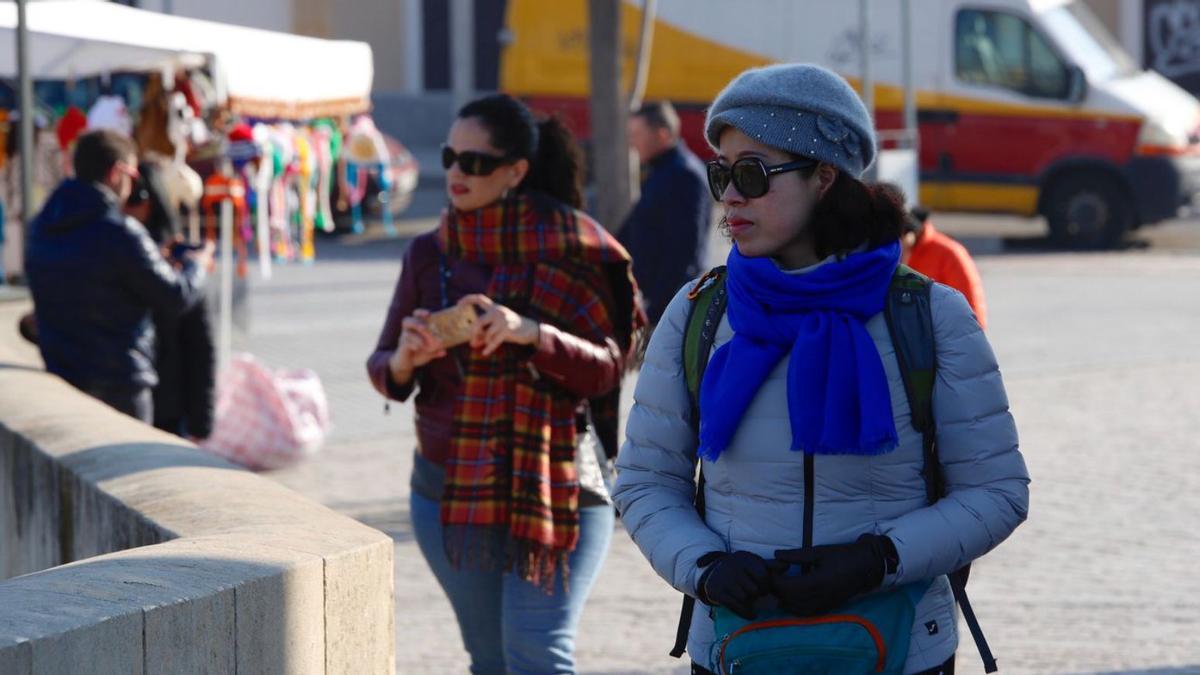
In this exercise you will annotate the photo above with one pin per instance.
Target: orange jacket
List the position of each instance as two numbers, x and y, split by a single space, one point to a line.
946 261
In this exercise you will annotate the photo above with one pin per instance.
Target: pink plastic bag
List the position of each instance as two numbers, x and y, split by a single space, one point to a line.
268 419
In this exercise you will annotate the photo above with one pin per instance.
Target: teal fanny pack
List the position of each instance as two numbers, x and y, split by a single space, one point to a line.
869 635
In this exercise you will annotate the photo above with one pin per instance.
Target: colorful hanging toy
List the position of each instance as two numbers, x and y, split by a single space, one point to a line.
226 184
367 151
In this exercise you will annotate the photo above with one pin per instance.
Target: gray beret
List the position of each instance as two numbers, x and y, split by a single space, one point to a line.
801 108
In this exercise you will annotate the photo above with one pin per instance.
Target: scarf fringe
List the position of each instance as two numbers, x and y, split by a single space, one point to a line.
492 549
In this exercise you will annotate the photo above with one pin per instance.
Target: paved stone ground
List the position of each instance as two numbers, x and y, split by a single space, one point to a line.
1099 356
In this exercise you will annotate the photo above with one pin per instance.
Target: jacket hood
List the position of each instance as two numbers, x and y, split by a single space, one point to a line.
73 204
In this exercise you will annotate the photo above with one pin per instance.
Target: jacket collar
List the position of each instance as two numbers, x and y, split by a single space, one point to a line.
107 194
667 156
74 204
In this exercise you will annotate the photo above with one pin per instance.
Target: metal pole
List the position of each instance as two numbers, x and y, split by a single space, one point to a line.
912 135
868 81
864 46
462 55
26 123
262 184
906 74
414 47
1130 24
637 92
609 111
225 326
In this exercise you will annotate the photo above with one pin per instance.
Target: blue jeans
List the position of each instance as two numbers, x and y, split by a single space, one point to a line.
509 625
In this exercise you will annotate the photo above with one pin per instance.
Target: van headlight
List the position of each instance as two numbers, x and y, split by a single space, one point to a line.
1155 139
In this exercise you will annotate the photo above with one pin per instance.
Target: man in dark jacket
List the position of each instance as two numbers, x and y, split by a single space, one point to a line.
667 231
186 356
96 276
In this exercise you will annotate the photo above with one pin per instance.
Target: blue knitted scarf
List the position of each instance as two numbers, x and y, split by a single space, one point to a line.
838 397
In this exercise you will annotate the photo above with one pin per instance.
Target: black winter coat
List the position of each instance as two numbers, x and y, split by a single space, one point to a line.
96 277
667 231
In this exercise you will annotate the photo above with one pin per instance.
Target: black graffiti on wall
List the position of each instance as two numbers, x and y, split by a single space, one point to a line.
1172 40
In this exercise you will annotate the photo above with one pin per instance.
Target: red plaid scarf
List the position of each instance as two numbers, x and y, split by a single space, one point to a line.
511 496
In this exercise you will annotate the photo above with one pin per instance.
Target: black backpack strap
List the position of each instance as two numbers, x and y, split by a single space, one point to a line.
958 584
704 316
708 306
910 323
689 603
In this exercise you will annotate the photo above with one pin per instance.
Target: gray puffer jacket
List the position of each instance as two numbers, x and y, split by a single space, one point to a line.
755 493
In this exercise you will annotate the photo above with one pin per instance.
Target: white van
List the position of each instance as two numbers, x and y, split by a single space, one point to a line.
1025 107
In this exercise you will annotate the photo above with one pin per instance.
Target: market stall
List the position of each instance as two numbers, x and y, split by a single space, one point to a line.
257 73
260 76
253 124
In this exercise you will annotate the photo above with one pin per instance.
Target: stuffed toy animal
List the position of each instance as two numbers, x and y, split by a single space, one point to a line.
367 151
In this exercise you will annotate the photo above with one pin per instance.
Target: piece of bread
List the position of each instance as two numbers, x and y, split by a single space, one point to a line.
453 326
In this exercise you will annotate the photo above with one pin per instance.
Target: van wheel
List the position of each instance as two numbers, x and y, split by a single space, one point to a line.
1088 211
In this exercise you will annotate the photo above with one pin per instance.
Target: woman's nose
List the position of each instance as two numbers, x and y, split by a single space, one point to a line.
731 197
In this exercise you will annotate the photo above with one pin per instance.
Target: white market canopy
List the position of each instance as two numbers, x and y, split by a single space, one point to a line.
258 73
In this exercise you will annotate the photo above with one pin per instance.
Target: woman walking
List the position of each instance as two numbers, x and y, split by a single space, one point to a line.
509 499
817 514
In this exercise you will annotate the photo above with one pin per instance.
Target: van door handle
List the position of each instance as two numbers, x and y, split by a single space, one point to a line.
937 116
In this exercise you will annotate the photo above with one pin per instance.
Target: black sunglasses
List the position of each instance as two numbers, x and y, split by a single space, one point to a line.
472 163
749 175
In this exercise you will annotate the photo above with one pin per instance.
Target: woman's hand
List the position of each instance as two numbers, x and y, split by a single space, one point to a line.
832 575
498 324
736 580
417 347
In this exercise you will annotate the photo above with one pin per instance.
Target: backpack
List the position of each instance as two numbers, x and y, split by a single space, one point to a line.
910 324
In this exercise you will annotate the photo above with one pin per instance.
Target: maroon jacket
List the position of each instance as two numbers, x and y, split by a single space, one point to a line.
579 366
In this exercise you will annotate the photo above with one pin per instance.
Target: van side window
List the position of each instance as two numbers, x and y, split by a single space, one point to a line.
1002 50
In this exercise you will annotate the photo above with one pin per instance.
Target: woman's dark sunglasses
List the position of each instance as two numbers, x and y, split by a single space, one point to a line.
750 176
472 163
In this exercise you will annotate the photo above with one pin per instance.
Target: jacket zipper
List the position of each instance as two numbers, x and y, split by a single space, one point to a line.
810 481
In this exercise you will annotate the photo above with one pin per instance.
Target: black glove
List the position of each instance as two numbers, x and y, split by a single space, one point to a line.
832 575
736 580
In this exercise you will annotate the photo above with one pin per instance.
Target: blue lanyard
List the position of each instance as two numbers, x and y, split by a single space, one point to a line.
444 279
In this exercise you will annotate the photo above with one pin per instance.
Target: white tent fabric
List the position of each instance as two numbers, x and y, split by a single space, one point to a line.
59 56
261 73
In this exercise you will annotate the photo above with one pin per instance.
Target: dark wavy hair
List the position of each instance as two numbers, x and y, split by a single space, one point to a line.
853 213
555 160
